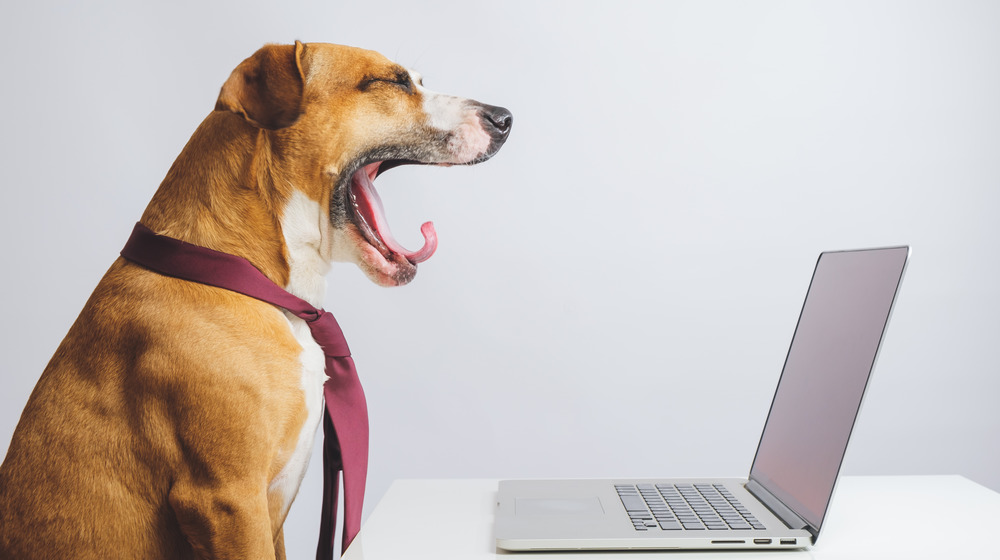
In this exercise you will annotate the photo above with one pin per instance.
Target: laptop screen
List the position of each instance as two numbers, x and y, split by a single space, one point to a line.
826 371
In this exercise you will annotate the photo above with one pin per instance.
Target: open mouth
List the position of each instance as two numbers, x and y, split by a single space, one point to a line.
371 220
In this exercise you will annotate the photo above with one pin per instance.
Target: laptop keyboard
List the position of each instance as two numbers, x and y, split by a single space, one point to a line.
676 507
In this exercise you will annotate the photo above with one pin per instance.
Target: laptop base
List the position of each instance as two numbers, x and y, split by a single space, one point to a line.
549 515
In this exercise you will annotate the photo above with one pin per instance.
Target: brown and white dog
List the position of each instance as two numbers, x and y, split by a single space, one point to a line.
176 419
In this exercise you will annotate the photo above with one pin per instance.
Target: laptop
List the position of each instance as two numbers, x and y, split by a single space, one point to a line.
783 502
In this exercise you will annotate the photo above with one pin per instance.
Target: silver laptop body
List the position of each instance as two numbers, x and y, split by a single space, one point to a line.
783 502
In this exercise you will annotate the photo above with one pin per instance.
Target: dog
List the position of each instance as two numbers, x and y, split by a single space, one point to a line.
176 420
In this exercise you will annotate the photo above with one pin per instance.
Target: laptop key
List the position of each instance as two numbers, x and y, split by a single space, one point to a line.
633 503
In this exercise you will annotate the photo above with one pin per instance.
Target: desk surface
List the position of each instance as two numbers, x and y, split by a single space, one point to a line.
870 517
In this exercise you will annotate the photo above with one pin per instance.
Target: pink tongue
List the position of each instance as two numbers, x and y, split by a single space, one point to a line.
369 204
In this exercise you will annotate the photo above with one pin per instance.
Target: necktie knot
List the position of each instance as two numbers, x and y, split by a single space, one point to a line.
327 333
310 315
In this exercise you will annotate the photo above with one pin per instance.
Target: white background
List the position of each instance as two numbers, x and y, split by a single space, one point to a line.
619 285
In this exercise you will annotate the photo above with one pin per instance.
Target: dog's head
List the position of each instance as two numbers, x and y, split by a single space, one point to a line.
336 117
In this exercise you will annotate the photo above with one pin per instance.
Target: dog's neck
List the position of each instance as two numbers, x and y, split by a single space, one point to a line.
224 192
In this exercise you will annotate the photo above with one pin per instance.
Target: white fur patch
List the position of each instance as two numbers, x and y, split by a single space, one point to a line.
452 114
307 237
444 112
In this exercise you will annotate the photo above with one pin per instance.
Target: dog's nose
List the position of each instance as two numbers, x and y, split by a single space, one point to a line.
498 119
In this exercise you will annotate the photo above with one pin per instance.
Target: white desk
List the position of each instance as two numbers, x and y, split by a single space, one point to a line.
870 517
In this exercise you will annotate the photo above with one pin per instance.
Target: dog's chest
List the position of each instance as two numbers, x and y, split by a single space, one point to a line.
313 375
302 226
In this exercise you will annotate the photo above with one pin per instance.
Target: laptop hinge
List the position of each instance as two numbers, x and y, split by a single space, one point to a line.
779 509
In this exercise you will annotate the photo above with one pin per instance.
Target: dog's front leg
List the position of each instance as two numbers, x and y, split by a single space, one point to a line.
219 489
227 521
279 545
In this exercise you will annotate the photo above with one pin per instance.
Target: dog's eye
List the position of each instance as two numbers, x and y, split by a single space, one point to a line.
401 80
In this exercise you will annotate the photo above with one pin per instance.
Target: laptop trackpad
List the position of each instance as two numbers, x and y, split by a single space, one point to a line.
558 506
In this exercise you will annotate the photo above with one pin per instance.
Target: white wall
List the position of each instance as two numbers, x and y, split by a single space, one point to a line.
642 243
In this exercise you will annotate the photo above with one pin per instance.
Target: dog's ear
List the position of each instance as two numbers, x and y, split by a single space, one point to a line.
266 89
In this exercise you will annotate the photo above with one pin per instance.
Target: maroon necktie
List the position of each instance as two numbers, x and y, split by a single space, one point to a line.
345 424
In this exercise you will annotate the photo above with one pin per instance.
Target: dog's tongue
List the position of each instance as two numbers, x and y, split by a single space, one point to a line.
369 204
